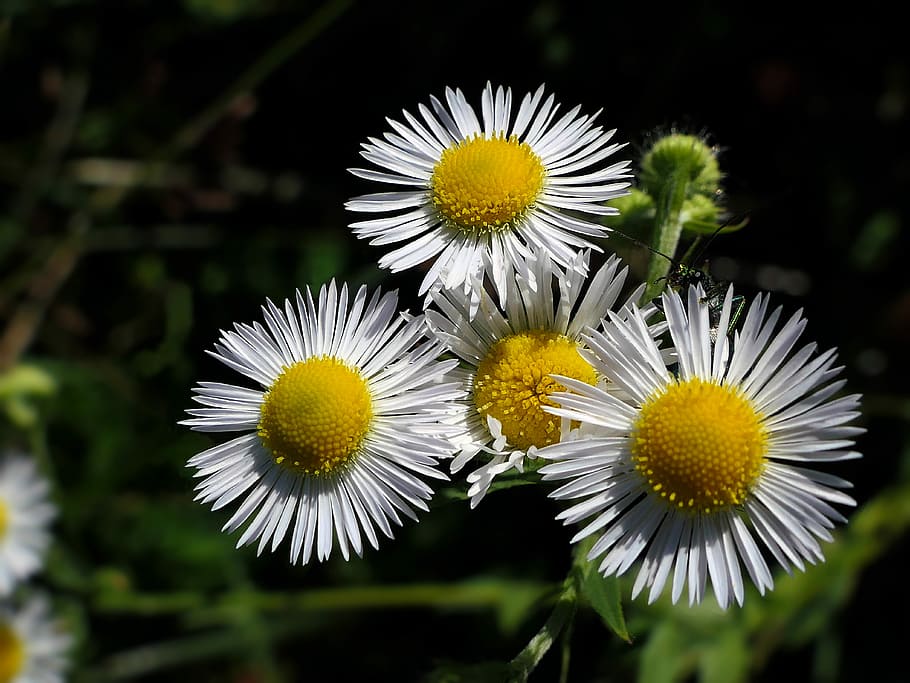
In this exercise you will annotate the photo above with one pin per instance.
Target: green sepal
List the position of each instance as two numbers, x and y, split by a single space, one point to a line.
700 215
636 213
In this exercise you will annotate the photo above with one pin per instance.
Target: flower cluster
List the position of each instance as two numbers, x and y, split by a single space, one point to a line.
33 644
683 439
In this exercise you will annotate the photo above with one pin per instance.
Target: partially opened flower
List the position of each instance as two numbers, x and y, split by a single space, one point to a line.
26 513
341 432
510 354
698 461
479 195
33 644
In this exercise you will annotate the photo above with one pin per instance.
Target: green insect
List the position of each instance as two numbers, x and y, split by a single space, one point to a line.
682 276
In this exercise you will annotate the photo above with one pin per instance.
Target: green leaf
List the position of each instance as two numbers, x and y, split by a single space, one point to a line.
875 240
504 481
604 595
486 672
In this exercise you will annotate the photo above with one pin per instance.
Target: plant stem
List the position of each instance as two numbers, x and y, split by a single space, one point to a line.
667 228
465 596
528 659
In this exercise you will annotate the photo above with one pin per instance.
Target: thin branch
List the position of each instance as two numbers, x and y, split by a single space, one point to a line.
61 262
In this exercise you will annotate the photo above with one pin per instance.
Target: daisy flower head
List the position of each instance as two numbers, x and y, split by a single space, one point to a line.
509 353
700 464
345 425
33 644
26 513
478 194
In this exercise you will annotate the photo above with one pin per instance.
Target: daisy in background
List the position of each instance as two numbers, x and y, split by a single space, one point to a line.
26 513
479 195
697 463
33 645
341 431
510 354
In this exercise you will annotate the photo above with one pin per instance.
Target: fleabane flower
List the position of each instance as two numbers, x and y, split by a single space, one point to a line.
26 513
478 195
34 645
509 354
701 463
341 432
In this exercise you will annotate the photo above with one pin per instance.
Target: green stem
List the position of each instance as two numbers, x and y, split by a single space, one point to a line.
185 138
248 80
667 228
463 596
252 628
283 50
528 659
157 657
566 653
57 140
18 333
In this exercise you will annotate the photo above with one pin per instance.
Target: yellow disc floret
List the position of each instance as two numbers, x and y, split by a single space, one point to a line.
485 185
512 384
315 416
700 445
12 653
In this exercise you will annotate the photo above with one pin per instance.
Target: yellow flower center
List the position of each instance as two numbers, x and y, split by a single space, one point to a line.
315 416
484 185
700 445
512 384
12 654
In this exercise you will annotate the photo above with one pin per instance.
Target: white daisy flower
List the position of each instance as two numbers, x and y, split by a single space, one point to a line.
26 514
343 427
510 354
480 194
697 462
33 645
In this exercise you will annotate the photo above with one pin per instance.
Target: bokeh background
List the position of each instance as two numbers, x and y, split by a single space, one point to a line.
165 166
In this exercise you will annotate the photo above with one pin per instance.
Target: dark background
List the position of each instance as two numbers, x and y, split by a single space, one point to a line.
808 110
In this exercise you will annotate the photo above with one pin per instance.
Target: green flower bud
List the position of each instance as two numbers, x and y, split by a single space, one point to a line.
19 386
699 215
680 158
26 380
636 212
